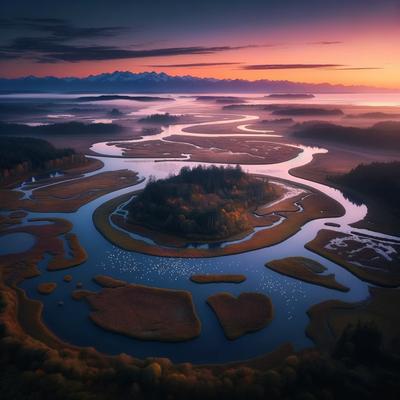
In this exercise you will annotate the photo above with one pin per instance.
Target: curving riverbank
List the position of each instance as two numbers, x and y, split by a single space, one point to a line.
174 273
133 237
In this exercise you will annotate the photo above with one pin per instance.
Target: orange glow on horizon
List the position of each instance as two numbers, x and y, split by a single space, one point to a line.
371 49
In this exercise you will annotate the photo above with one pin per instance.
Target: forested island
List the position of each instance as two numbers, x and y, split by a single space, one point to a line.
166 118
200 203
305 111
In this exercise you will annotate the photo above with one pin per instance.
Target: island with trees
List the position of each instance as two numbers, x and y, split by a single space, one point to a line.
209 211
202 203
165 118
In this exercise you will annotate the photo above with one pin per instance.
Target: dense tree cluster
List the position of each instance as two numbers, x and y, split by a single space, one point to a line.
361 343
383 135
35 152
379 180
63 128
166 118
305 111
202 202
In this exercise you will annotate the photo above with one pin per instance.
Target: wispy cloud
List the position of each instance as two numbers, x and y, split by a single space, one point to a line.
65 42
326 42
193 65
59 29
289 66
357 68
45 51
329 67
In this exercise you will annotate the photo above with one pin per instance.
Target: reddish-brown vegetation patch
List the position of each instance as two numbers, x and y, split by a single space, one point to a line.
68 196
358 257
81 294
108 281
46 287
49 240
18 214
11 219
218 278
91 165
233 150
315 205
145 313
306 270
240 315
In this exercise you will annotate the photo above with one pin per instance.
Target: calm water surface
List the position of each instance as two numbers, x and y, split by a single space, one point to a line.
291 298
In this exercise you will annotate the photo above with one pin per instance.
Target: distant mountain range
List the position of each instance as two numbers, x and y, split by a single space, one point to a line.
151 82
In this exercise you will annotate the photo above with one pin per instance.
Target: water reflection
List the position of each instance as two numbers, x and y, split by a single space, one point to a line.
291 298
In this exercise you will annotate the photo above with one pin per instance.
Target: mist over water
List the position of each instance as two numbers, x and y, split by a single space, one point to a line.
291 298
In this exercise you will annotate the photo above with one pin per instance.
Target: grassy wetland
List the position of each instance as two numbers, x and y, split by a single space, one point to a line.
204 257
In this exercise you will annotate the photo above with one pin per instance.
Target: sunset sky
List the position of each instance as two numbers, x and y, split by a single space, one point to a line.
342 41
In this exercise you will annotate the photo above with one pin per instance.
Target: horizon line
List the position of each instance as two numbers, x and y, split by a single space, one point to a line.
202 78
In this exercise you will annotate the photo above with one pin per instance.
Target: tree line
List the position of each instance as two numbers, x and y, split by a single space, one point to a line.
200 202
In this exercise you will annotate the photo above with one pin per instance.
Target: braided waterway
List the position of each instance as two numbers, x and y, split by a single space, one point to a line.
291 297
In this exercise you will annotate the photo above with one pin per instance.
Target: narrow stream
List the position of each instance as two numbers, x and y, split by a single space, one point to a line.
291 298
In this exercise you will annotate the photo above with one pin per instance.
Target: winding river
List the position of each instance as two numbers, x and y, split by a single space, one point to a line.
291 298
